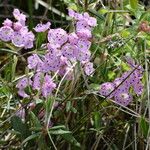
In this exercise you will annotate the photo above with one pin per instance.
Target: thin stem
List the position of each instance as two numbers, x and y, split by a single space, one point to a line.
52 141
85 5
49 117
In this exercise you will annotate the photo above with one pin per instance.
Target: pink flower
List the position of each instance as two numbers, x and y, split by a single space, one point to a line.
48 86
33 61
21 113
29 39
21 85
82 55
73 38
7 22
71 13
123 98
88 68
92 22
18 40
20 17
54 49
57 36
23 38
6 33
23 94
17 26
138 87
51 62
37 81
42 27
68 50
84 33
82 25
106 89
83 44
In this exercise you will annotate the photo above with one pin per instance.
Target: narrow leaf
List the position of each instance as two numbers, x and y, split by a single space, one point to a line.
144 126
35 120
69 138
97 120
33 136
58 132
134 4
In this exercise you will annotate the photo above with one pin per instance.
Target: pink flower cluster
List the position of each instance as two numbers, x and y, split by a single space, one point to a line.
119 89
63 50
17 32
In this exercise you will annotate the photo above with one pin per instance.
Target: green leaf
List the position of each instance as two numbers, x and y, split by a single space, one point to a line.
134 4
69 138
125 33
92 11
94 86
9 51
59 132
97 120
42 145
68 106
48 105
144 126
41 37
58 127
73 109
125 66
33 136
103 11
111 75
20 127
14 65
35 120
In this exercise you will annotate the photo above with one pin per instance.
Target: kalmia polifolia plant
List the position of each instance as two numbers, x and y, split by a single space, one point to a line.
61 53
